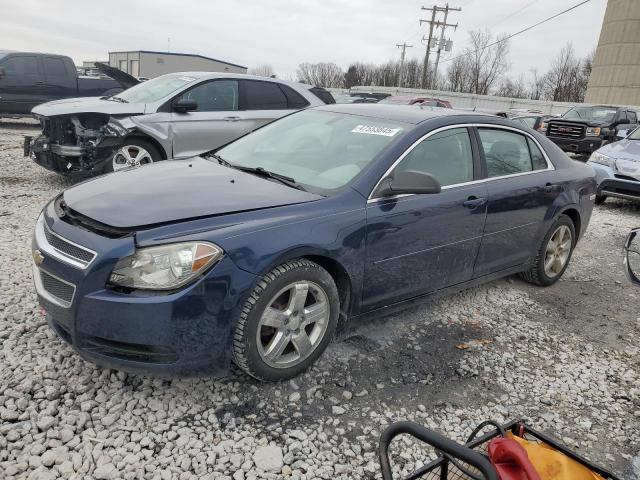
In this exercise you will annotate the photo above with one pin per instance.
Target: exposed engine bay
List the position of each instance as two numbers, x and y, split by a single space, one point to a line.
81 143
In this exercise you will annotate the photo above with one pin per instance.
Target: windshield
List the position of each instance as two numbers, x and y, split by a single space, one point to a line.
155 89
597 114
319 149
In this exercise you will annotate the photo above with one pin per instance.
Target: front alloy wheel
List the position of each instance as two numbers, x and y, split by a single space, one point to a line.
131 156
287 321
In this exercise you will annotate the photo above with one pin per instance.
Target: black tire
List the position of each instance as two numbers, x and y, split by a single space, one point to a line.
536 274
136 142
600 199
245 350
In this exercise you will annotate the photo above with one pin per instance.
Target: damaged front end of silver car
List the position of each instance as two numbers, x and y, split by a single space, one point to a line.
80 144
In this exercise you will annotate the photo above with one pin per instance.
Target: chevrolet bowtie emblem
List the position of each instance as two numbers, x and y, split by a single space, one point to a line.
38 258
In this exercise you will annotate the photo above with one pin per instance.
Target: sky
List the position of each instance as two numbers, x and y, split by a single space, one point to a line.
287 33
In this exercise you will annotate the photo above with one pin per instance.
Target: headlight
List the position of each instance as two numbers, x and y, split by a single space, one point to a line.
593 131
165 267
597 157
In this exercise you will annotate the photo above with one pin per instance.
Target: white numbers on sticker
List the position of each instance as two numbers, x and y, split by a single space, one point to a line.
373 130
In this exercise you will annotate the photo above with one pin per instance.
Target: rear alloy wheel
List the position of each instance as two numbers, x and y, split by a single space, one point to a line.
554 253
135 153
287 322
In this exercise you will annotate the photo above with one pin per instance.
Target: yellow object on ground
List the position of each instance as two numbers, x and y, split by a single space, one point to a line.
552 464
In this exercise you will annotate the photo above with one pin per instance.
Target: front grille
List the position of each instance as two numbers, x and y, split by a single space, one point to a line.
57 288
75 252
566 130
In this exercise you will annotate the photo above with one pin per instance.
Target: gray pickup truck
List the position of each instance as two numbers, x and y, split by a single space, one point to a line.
29 79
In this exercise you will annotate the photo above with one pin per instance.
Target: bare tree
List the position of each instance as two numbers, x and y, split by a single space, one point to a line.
536 85
487 60
321 74
513 88
457 77
264 70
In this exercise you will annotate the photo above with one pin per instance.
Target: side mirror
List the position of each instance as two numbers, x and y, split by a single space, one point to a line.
632 256
2 72
408 182
183 105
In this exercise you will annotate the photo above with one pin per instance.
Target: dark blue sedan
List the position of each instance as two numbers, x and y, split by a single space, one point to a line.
255 252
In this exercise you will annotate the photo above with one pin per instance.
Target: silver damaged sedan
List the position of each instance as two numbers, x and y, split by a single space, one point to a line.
176 115
617 167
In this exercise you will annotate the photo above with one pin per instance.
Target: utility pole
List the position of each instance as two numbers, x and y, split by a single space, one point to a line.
443 26
404 47
433 23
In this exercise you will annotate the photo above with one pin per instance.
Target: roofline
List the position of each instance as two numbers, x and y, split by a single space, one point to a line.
182 55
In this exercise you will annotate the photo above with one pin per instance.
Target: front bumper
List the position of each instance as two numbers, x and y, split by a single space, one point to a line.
579 145
613 183
187 332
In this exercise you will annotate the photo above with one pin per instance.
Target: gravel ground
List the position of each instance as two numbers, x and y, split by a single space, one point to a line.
566 358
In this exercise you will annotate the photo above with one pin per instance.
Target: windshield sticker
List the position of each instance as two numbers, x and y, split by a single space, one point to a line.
373 130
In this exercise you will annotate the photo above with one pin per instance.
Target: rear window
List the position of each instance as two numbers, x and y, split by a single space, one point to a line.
54 67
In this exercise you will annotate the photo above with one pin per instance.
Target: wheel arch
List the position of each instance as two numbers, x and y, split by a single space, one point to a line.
342 279
147 138
338 270
574 214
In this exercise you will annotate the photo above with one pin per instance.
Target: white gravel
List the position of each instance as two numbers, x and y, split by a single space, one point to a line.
567 358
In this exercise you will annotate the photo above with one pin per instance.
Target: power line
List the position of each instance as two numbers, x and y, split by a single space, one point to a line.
511 15
519 32
433 23
404 47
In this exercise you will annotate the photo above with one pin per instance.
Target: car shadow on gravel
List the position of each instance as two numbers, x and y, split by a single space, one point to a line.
384 363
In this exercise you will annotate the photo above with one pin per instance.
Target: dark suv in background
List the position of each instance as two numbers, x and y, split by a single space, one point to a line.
584 129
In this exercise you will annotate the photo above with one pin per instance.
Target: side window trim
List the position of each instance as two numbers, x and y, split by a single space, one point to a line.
474 127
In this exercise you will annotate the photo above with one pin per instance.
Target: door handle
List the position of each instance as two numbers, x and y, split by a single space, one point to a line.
40 83
474 202
231 119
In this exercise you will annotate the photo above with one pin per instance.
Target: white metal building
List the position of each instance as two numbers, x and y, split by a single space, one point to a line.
149 64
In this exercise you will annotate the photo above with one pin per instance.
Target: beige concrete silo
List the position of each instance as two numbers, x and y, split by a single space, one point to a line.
615 78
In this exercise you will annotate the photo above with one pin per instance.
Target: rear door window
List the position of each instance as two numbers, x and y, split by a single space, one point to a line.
54 67
633 118
263 96
505 152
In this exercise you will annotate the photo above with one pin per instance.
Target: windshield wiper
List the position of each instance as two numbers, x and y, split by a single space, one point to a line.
115 99
290 182
220 160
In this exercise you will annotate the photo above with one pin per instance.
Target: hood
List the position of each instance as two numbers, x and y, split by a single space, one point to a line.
622 149
177 190
119 76
70 106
